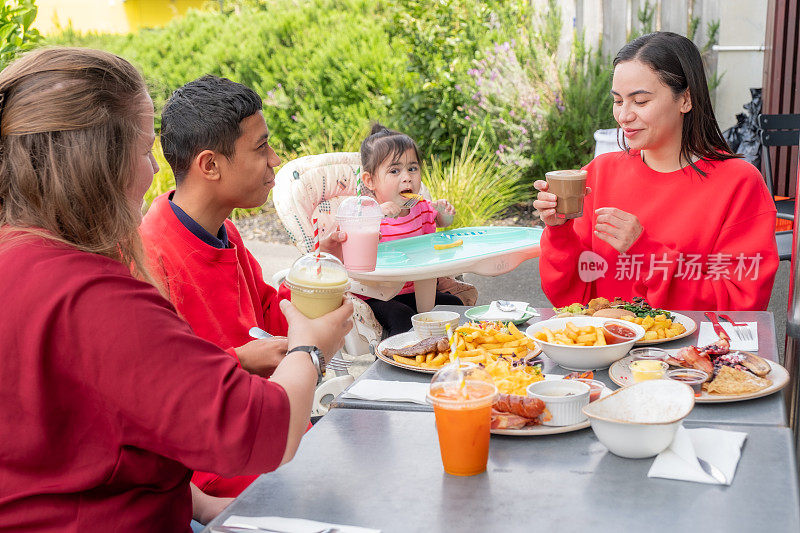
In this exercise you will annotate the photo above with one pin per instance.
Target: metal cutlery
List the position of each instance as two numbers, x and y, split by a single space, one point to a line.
411 202
240 528
718 329
258 333
712 471
506 306
338 363
742 330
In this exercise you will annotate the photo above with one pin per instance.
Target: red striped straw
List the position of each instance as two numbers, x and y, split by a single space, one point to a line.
316 245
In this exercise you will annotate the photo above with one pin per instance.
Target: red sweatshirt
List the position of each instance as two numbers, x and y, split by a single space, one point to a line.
708 241
220 292
109 400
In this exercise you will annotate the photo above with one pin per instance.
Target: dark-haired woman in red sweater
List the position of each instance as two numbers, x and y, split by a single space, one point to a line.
676 217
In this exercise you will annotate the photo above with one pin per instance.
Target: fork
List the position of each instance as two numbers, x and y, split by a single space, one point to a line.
742 330
338 363
411 202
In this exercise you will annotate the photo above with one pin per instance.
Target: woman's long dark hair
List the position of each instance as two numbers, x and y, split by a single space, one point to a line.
677 62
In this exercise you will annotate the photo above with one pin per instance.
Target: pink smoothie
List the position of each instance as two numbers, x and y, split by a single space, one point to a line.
360 250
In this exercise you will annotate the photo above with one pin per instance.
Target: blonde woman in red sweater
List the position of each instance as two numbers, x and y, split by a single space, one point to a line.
675 217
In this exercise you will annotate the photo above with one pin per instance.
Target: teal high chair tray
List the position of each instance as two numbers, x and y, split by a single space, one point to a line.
477 242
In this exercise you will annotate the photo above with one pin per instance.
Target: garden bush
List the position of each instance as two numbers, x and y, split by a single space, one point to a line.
477 184
441 39
16 33
540 113
323 67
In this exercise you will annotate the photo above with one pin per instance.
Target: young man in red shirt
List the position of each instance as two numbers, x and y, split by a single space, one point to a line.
215 139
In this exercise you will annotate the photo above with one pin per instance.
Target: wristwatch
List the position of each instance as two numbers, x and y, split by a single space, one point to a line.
316 358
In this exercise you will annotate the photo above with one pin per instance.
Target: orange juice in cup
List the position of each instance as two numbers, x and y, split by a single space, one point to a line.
462 395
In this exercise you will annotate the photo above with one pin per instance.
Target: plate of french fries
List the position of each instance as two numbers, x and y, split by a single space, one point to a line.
483 343
660 329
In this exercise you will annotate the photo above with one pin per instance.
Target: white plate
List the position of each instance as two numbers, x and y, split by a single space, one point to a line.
687 322
533 431
408 338
620 374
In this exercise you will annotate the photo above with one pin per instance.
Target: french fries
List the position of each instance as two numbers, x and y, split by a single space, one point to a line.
657 327
485 343
572 335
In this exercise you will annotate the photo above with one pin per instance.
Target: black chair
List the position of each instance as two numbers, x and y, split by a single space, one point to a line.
779 130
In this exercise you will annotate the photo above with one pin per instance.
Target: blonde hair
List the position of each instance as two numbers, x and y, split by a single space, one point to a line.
68 137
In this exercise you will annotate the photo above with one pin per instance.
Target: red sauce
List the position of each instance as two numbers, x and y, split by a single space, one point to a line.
617 333
620 330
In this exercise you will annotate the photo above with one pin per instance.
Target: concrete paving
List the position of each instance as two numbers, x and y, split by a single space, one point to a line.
520 284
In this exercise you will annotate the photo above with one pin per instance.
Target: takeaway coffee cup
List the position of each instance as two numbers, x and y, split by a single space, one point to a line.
569 186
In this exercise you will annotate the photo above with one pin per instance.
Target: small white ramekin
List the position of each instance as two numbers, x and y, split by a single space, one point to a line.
564 410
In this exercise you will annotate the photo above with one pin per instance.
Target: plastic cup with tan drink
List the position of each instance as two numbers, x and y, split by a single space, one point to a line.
569 186
462 395
317 285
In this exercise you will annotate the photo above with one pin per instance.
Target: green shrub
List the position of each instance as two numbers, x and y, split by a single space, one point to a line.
541 114
16 34
441 39
475 183
323 67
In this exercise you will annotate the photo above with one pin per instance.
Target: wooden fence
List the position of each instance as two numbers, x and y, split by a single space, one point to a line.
782 84
615 20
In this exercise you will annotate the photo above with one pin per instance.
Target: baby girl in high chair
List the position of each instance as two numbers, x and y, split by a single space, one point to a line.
390 165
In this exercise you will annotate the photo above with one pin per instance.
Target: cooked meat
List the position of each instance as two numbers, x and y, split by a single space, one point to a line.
431 344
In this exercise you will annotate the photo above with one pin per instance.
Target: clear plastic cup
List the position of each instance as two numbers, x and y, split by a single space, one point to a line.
317 287
653 354
595 387
691 376
646 369
360 217
462 395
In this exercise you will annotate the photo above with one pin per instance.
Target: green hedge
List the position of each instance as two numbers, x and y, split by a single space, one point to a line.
323 67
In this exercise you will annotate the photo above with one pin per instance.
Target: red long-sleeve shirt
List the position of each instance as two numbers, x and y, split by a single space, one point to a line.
109 399
708 241
220 292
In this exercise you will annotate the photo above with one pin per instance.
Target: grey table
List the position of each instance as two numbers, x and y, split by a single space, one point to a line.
769 410
382 469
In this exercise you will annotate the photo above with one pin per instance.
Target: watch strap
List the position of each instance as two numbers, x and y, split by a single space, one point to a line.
316 358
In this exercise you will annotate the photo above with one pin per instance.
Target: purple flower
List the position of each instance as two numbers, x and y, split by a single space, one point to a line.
294 117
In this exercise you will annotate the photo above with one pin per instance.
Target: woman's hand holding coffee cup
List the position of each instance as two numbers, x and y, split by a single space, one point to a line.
617 228
545 204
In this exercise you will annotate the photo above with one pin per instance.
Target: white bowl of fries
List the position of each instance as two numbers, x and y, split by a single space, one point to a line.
578 342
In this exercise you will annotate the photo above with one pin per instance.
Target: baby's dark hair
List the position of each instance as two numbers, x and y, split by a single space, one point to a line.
382 143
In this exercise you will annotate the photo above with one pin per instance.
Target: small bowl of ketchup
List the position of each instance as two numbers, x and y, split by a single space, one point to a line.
616 333
692 377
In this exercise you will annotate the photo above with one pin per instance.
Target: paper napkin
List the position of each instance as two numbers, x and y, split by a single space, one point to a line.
292 525
718 447
707 335
388 391
494 312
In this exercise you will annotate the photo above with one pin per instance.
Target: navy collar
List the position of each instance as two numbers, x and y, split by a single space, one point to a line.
218 241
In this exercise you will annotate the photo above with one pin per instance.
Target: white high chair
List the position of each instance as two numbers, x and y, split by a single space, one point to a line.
314 186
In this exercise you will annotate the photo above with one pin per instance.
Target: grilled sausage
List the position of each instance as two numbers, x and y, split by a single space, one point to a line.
431 344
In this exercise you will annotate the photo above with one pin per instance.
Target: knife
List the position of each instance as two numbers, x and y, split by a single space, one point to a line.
718 329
